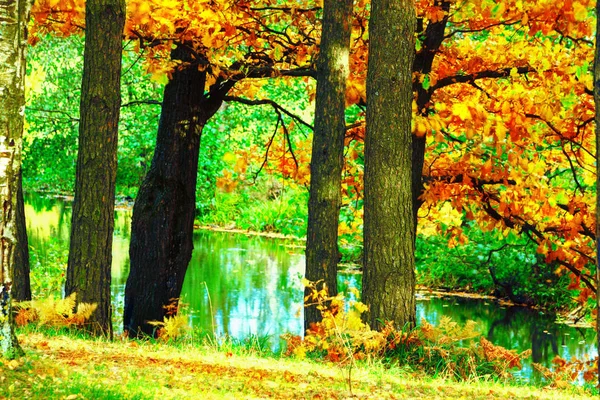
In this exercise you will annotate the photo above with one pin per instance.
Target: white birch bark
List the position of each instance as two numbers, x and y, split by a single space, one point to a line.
14 15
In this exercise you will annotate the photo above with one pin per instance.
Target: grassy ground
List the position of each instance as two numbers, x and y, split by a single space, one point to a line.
60 367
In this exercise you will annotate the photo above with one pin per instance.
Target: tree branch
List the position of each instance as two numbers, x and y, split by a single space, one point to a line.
501 73
137 102
271 103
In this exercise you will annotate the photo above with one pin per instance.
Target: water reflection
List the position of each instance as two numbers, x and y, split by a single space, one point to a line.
515 328
247 285
238 285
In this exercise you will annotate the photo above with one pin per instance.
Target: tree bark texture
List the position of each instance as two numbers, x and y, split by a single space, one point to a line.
597 120
163 214
21 290
389 228
14 15
327 160
90 252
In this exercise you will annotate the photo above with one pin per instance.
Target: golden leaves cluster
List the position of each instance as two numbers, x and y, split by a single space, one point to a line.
515 145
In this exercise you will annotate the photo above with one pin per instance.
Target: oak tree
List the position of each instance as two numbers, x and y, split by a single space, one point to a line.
389 228
203 69
326 162
90 251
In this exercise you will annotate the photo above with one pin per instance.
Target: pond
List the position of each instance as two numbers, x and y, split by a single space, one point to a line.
242 285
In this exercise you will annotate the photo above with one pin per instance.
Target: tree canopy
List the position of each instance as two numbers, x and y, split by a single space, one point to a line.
503 104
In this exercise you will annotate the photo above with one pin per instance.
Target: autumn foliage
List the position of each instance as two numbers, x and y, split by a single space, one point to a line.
453 350
54 312
503 103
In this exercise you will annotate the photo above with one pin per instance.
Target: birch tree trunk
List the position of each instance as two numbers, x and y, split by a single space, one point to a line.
14 15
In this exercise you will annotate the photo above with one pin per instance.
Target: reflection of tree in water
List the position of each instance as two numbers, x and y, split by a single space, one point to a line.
520 327
252 282
515 328
48 219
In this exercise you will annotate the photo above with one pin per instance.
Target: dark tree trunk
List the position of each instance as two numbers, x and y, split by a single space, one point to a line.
431 40
322 254
597 117
389 228
90 252
163 214
14 15
21 284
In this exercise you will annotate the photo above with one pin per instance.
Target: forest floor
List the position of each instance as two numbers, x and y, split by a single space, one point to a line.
66 367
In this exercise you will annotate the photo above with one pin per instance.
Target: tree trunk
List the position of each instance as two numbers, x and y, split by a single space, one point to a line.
90 252
322 253
163 214
14 15
21 289
389 228
597 118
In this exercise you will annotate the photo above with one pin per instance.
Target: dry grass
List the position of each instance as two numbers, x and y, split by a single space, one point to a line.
58 367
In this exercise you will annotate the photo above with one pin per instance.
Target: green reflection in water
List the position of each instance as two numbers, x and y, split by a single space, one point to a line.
515 328
246 285
238 285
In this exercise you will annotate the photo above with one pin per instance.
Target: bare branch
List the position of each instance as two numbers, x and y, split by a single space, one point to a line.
501 73
279 119
137 102
66 114
271 103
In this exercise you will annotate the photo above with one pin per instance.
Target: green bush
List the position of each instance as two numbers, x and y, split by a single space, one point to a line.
253 208
50 141
507 267
48 268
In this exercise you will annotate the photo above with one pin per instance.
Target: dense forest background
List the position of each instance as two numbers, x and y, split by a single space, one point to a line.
248 178
434 144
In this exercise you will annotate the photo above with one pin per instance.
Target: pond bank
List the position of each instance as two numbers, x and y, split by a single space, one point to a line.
566 317
240 285
65 367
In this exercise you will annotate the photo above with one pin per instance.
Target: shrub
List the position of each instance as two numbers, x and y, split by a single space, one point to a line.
54 312
448 349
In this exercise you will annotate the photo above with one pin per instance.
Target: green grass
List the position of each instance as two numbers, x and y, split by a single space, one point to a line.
58 365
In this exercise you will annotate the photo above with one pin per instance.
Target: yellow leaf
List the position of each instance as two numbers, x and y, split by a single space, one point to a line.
546 112
240 165
580 12
52 3
500 132
461 110
160 77
421 128
305 282
229 157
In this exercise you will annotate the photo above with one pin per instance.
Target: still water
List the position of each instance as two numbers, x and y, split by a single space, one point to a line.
246 285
